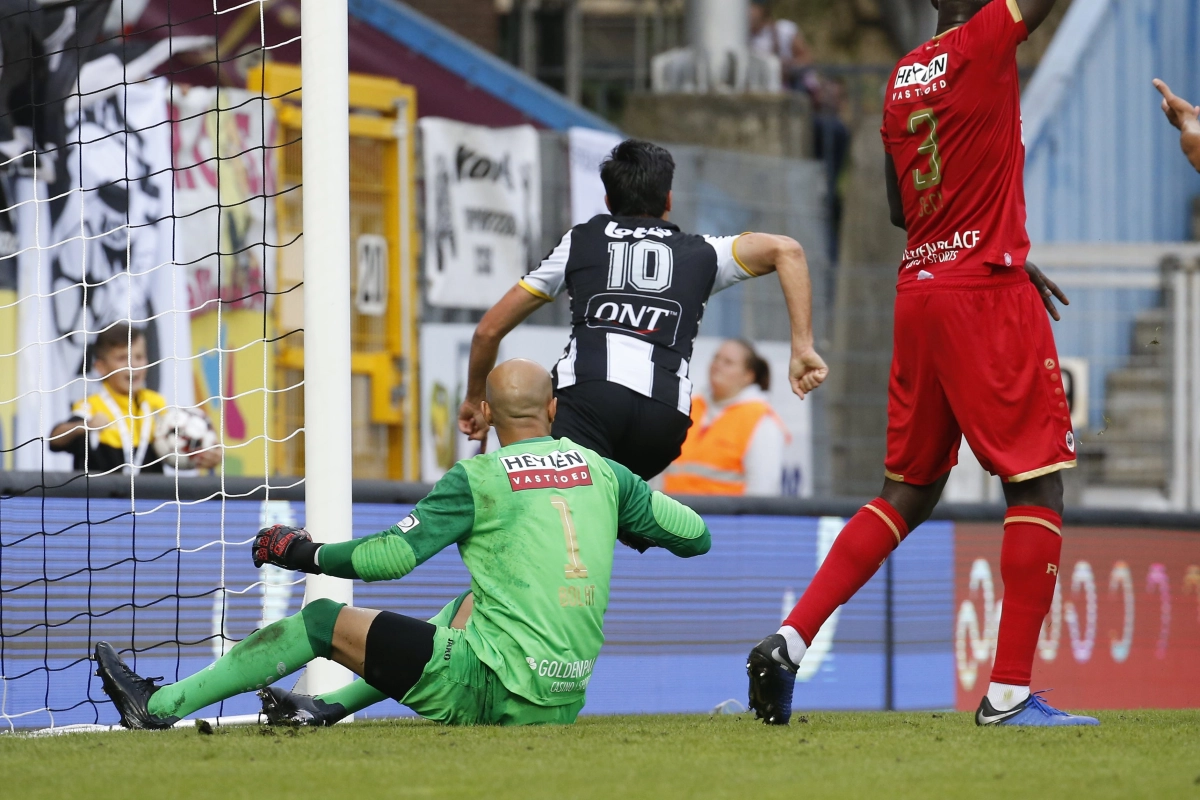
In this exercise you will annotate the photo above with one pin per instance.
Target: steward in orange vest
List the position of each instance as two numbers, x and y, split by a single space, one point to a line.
713 460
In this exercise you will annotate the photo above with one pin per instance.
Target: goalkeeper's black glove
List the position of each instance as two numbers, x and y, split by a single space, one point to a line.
639 543
287 547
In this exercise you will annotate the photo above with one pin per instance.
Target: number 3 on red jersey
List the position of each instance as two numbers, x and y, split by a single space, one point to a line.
918 120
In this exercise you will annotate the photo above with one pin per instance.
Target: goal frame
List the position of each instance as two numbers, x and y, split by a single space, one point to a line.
328 463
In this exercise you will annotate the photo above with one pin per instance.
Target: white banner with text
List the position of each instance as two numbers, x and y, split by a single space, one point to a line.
483 204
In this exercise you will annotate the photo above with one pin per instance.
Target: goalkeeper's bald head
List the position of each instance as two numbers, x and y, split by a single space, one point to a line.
520 401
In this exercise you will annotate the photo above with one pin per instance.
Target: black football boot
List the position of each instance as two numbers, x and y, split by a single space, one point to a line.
282 707
129 691
772 680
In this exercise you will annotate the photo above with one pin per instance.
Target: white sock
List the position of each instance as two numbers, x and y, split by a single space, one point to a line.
795 644
1004 696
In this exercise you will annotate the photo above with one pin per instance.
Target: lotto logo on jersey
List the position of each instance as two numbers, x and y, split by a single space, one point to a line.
918 74
551 471
615 231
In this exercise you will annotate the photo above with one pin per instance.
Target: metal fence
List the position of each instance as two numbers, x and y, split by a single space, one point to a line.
1129 347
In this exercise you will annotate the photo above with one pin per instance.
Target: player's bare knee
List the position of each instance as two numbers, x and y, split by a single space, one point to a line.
1045 491
915 503
350 637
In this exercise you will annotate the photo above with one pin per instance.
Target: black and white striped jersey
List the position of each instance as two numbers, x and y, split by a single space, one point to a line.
638 288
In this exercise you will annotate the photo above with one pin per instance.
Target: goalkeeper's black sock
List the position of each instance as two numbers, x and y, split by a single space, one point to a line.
259 660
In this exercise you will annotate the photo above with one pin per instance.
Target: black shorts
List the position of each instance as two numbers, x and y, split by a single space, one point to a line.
637 432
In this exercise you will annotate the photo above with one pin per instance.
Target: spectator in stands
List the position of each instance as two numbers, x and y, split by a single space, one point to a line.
1184 116
108 431
735 444
783 39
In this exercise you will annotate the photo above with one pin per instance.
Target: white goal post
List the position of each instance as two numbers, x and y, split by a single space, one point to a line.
328 463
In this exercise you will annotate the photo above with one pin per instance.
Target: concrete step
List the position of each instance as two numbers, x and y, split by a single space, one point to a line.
1135 462
1140 378
1142 414
1139 401
1134 450
1151 337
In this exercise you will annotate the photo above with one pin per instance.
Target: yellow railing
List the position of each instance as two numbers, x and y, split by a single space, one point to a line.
383 247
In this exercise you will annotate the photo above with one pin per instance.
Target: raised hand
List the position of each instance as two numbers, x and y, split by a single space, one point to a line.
471 421
806 371
1184 116
1179 111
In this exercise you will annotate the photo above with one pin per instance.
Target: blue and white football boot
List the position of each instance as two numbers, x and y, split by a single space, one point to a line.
772 680
1033 711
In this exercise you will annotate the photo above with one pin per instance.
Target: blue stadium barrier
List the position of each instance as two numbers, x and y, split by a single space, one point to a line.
74 570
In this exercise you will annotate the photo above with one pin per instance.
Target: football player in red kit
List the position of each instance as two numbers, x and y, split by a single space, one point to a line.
973 352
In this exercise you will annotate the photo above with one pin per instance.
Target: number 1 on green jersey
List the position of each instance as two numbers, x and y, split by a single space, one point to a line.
574 567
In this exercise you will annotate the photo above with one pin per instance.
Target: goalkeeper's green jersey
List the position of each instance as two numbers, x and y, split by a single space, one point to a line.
536 523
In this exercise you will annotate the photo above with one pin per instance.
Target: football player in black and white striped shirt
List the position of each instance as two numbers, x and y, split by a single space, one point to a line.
638 286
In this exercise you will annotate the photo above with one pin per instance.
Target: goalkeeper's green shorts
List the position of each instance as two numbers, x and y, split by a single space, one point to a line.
456 688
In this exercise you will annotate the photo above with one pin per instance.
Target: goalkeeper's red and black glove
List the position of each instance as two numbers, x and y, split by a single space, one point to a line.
287 547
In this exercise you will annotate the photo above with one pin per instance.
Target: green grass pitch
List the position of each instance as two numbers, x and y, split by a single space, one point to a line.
898 755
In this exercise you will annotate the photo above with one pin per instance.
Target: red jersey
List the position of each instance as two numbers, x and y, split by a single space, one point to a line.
952 125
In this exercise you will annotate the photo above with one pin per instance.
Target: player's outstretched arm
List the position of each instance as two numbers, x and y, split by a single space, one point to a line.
658 520
443 517
1184 116
1034 12
512 309
762 253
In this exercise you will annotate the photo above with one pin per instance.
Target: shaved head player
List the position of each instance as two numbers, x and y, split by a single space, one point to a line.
974 355
535 522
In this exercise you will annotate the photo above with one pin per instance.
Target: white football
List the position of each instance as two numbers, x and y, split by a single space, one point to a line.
178 433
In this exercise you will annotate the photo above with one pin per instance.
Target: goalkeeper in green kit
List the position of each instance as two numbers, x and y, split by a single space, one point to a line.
535 522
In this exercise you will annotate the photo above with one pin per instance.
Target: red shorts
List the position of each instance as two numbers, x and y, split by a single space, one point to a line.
979 363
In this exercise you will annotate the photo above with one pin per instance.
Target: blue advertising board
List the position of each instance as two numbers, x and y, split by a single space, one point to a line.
74 571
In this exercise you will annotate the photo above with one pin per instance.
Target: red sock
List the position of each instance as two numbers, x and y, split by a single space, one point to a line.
857 553
1029 568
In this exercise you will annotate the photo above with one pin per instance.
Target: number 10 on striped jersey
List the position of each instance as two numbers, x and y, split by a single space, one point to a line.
646 264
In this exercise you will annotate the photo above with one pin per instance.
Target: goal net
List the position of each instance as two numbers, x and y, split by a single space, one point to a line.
148 430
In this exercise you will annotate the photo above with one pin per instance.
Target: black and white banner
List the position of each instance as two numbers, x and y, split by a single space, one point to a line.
96 248
483 204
